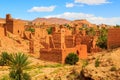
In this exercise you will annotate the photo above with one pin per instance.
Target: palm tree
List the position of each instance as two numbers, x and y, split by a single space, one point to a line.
4 59
18 63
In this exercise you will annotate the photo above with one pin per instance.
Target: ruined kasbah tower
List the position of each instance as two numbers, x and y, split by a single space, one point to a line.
14 26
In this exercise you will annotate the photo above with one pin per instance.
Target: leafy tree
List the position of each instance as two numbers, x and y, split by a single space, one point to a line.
90 31
49 30
71 59
67 25
102 39
117 26
18 63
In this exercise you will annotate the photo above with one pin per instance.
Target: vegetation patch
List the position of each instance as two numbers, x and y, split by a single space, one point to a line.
113 68
85 63
49 30
31 29
97 62
102 39
72 59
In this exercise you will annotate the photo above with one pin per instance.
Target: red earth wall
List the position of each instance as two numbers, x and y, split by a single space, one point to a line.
113 38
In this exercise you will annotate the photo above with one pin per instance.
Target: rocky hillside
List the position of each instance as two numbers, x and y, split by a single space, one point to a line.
51 20
2 20
82 22
103 66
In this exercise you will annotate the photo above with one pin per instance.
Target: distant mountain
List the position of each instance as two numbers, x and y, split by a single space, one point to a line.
50 21
2 20
82 22
25 21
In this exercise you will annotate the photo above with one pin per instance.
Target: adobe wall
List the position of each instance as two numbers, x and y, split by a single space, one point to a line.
9 26
56 40
87 41
18 27
2 30
59 55
66 52
82 51
113 38
69 41
28 35
54 55
40 33
14 26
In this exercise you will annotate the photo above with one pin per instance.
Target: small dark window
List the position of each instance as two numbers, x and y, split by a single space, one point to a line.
77 52
18 31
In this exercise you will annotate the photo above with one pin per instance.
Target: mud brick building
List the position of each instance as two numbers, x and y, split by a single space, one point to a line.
61 44
56 46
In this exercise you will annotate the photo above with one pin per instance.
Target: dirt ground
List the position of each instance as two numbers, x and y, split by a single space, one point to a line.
42 70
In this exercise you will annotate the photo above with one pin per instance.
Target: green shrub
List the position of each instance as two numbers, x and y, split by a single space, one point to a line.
31 29
71 59
97 62
90 31
49 30
67 25
113 68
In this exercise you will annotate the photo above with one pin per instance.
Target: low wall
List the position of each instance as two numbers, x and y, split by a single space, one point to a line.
113 38
54 55
59 55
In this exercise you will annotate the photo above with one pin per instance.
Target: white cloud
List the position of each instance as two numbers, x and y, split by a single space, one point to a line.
42 9
92 2
90 17
68 5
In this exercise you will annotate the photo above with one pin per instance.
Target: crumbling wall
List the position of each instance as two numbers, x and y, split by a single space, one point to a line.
40 33
59 55
27 35
2 30
18 27
9 26
14 26
69 41
54 55
113 38
56 40
87 41
31 46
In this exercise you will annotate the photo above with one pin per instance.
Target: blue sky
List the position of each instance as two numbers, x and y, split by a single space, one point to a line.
95 11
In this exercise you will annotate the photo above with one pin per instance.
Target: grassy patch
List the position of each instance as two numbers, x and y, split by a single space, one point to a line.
85 63
5 77
36 69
